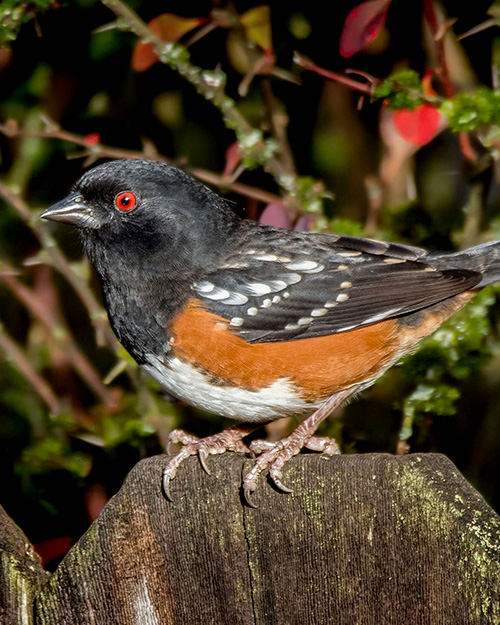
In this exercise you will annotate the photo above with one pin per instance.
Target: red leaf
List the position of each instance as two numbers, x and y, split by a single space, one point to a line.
95 500
232 158
276 214
362 25
303 223
168 28
143 57
53 548
93 138
418 126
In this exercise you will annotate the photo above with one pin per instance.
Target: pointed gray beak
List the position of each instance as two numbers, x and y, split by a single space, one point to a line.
72 210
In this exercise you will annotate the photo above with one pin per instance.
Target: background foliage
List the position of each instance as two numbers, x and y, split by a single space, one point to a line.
294 139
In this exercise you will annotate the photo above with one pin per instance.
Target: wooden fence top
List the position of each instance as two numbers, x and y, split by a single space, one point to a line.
363 539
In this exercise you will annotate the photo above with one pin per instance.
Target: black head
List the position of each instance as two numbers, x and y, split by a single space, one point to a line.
137 211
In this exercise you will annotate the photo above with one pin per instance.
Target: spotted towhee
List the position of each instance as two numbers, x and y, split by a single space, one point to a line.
249 321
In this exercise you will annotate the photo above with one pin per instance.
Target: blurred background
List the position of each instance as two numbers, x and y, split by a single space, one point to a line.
76 414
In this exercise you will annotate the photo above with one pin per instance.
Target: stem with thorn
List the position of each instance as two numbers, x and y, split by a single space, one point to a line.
210 84
98 151
438 33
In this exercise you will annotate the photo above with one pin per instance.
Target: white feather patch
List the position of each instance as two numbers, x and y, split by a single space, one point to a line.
279 399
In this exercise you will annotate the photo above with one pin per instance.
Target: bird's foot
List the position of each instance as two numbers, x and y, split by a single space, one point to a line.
323 444
274 455
228 440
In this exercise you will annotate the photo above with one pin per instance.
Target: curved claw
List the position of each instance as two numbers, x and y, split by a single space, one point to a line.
166 486
203 455
247 497
277 482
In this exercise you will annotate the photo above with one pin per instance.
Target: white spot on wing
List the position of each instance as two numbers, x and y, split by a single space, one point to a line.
331 304
394 261
342 297
316 269
304 321
318 312
204 287
252 311
236 299
267 303
348 254
292 278
217 294
382 315
277 285
236 321
276 299
346 285
237 264
302 265
292 326
258 288
273 258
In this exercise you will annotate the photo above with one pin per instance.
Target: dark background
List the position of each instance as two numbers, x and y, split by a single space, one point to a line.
58 469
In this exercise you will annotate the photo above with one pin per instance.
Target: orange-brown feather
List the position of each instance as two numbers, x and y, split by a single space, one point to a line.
318 366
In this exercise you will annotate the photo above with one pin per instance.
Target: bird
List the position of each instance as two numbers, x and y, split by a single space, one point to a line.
254 322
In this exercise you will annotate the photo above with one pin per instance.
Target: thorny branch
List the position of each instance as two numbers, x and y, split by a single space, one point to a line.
307 64
210 84
439 31
93 153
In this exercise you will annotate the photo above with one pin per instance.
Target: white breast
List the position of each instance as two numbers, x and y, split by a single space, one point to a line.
280 399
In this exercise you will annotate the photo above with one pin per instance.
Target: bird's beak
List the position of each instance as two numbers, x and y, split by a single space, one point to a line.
72 210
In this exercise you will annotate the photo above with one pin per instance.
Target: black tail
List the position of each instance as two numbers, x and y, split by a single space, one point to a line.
484 258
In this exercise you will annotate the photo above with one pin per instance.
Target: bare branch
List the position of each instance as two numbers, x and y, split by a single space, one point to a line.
56 258
100 151
59 331
307 64
18 357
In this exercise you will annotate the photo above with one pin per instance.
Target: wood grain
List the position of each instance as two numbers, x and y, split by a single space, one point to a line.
21 574
364 539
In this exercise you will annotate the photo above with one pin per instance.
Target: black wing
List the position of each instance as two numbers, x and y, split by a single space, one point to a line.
278 285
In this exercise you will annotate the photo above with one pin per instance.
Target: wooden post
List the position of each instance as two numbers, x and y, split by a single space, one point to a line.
21 574
363 539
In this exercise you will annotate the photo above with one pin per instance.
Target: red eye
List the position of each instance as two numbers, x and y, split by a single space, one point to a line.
125 201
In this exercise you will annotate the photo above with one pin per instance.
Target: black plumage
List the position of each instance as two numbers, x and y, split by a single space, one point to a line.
167 249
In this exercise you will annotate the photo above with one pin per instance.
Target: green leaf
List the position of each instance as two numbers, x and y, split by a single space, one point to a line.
471 110
403 90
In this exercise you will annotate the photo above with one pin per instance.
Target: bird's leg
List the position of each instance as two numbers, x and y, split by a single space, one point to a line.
274 456
227 440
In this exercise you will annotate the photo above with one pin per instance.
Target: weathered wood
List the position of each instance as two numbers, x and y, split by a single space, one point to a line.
371 539
21 574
